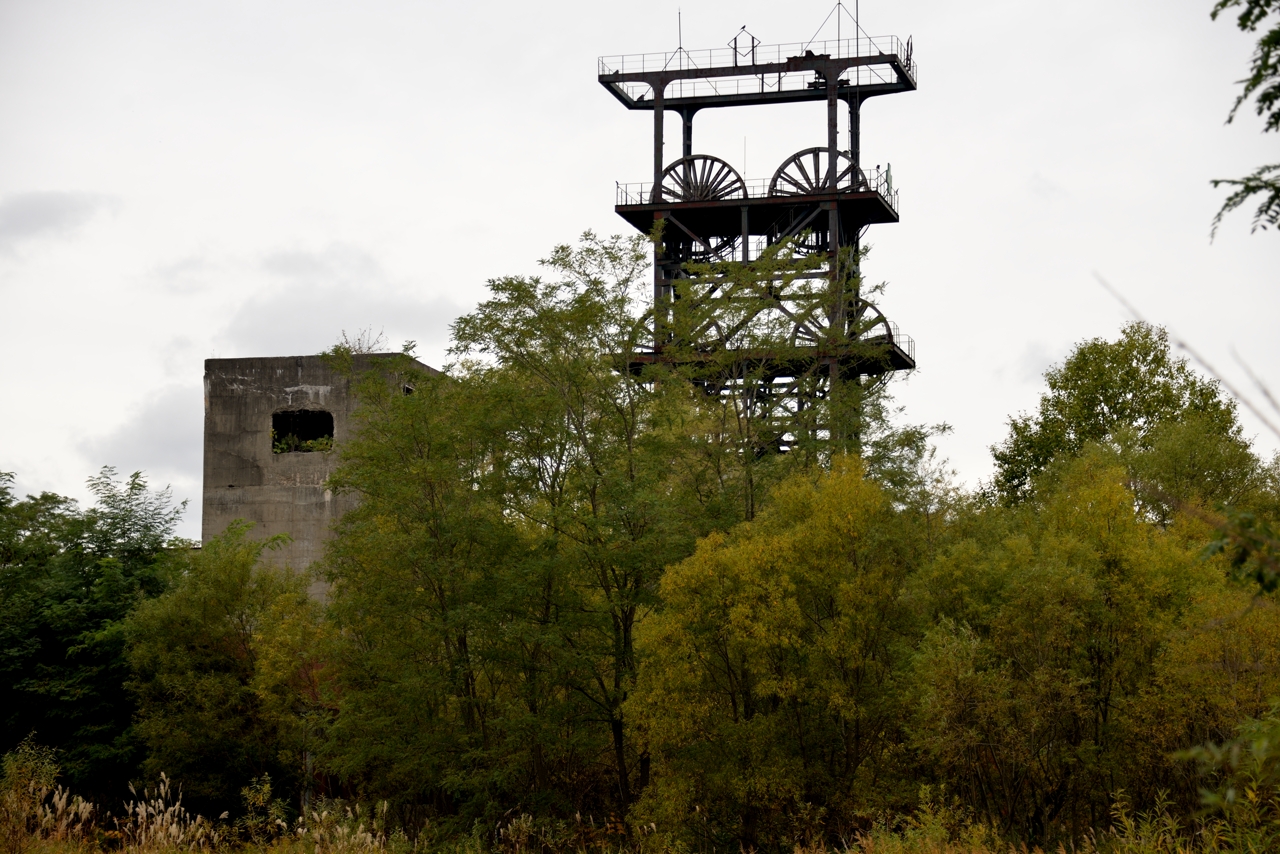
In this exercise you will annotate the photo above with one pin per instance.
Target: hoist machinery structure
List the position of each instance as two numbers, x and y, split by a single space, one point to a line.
757 290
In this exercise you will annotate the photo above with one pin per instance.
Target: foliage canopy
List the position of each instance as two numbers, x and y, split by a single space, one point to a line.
1122 393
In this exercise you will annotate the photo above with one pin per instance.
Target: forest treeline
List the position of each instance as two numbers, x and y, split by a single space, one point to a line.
573 595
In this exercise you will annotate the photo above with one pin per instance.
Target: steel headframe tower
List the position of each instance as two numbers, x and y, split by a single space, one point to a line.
785 329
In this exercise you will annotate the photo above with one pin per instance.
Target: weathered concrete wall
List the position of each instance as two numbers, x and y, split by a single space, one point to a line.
281 493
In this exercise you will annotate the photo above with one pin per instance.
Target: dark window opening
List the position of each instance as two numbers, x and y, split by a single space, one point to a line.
301 430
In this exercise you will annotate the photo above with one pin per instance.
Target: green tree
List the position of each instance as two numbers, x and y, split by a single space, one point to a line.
68 577
1263 86
1193 462
601 466
1123 392
442 669
1221 667
515 519
211 715
724 311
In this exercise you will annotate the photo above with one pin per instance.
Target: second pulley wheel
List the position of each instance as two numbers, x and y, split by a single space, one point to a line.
805 173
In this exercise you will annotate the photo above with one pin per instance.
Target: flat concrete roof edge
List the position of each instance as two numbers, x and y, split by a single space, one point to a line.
217 362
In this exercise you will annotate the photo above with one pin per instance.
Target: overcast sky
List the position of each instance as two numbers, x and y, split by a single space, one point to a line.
219 178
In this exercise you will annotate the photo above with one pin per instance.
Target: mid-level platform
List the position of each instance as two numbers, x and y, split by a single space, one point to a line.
710 200
758 215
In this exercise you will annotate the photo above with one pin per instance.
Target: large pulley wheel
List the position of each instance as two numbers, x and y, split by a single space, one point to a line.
700 178
805 174
867 324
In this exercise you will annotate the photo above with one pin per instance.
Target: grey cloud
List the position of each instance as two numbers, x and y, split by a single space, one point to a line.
1038 357
303 319
1047 190
336 264
315 296
164 437
191 275
30 215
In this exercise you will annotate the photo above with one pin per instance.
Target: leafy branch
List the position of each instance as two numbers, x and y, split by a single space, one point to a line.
1265 181
1263 86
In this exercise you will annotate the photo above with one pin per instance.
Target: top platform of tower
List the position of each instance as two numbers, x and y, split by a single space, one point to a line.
762 74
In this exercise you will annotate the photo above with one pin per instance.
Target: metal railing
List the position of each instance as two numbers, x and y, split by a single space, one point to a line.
879 180
905 343
794 82
751 84
729 57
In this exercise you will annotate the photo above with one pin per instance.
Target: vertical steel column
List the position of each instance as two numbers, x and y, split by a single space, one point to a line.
851 436
855 133
836 309
658 86
833 163
855 156
833 127
686 145
660 285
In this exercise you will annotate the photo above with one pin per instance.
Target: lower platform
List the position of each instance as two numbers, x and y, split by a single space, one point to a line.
869 358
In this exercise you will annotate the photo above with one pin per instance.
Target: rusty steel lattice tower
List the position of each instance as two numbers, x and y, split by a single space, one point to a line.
789 328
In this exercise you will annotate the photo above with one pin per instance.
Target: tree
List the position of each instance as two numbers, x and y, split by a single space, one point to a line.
1122 393
601 465
214 661
1068 656
1191 462
1263 86
442 667
68 578
769 696
515 519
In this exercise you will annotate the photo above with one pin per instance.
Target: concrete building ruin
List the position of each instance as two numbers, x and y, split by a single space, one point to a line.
270 427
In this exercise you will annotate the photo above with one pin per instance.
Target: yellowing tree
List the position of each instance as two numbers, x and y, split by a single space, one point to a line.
767 696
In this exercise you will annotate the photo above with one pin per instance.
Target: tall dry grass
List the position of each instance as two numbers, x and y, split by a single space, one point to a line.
50 820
